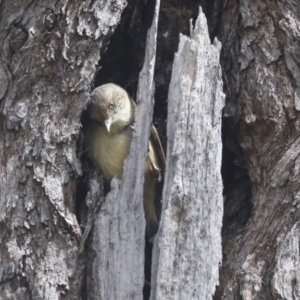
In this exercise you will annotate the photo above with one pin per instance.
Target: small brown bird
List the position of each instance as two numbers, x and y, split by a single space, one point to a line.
108 138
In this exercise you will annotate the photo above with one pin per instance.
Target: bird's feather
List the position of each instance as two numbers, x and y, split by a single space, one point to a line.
159 163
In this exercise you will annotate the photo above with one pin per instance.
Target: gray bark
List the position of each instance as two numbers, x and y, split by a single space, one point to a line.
46 68
260 62
187 250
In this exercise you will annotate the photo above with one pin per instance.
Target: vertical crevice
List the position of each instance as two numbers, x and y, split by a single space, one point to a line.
236 181
237 188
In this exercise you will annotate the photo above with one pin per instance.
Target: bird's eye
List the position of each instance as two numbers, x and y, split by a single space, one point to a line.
111 105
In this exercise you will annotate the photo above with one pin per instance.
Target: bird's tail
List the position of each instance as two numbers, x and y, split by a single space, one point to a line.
149 206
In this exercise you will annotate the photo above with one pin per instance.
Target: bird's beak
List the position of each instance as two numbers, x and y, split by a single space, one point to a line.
107 124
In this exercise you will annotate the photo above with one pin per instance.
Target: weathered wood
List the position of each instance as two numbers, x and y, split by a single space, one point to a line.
187 250
50 51
118 237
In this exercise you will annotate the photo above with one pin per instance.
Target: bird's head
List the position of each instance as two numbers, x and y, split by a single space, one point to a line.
111 106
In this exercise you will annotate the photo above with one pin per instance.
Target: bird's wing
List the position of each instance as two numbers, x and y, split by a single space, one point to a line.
158 161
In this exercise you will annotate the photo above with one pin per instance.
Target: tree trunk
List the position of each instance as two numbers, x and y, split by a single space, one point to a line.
51 54
260 61
46 70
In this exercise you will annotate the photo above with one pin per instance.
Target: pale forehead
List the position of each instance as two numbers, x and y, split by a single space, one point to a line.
109 92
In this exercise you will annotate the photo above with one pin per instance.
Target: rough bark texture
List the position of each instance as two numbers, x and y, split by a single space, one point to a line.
46 68
49 57
187 250
260 60
118 238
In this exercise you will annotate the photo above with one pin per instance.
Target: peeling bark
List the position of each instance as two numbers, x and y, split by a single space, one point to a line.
46 69
187 250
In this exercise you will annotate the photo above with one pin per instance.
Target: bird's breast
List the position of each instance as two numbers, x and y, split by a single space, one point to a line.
109 151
